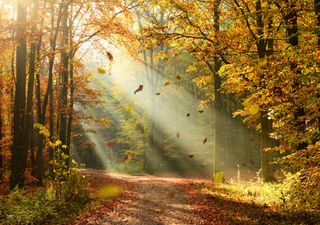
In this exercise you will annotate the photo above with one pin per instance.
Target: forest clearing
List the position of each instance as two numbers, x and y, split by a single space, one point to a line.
159 112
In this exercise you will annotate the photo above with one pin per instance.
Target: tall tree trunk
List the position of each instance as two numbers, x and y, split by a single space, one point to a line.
217 93
32 151
291 20
32 67
265 122
19 152
39 162
49 92
72 53
70 118
42 106
64 80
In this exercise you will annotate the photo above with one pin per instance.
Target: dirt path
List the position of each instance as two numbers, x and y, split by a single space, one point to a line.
159 201
151 200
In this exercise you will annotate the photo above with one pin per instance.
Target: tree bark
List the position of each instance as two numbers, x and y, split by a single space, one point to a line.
265 122
70 118
39 161
65 80
291 20
49 92
19 152
32 67
217 95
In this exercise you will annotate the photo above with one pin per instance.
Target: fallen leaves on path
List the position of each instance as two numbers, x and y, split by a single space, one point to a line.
150 200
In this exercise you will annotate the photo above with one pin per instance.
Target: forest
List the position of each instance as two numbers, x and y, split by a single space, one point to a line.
159 112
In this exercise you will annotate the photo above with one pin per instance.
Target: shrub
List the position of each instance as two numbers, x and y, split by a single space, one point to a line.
19 207
301 191
66 184
64 194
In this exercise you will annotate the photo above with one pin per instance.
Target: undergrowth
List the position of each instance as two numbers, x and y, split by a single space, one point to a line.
291 194
64 195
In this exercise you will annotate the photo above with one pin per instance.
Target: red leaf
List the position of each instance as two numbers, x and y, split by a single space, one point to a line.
205 141
110 56
140 88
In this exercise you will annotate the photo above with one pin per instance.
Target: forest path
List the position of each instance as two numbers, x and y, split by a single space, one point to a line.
154 200
160 201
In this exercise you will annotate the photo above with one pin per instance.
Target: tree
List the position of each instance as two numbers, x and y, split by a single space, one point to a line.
19 152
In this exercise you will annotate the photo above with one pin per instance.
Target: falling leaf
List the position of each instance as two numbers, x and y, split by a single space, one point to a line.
178 77
188 114
191 156
205 141
140 88
166 83
178 134
101 70
158 93
110 56
200 111
129 108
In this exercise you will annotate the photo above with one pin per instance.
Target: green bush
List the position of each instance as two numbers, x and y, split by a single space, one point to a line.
19 207
263 193
66 184
301 191
57 201
295 192
64 195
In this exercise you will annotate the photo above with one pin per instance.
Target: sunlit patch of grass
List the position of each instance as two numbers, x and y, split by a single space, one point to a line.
260 192
109 191
270 194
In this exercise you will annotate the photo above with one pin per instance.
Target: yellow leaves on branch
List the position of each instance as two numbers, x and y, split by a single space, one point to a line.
191 69
42 129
